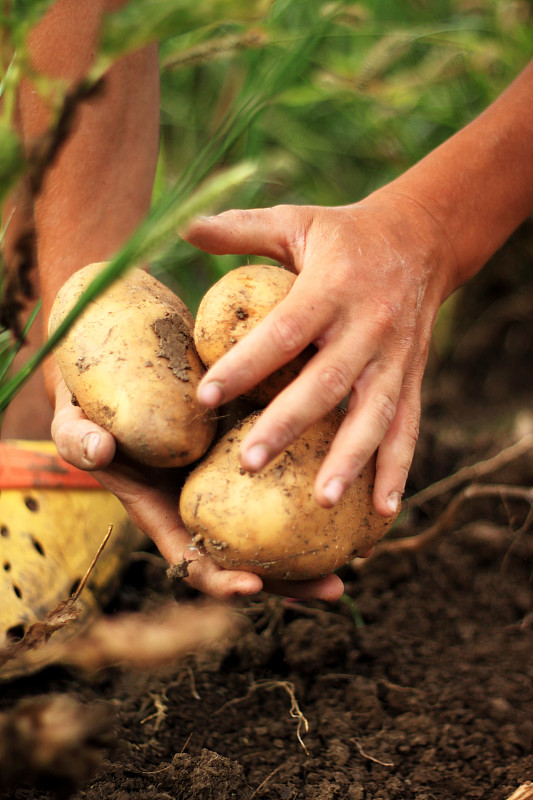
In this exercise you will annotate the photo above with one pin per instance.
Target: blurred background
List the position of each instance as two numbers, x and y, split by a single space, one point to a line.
366 90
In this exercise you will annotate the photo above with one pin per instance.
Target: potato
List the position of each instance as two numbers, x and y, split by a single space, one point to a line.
269 522
236 304
130 363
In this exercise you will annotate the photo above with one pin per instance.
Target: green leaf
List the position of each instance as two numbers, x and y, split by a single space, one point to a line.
9 350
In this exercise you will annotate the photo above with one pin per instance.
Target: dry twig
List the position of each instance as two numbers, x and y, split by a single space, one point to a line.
472 472
66 611
450 514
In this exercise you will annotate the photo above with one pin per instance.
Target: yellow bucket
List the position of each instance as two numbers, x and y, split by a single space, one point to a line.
53 519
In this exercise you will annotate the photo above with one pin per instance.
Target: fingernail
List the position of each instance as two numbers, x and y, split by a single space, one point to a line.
393 501
257 456
210 394
333 490
90 445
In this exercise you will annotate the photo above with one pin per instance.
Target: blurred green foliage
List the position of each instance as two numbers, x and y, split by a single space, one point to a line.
388 81
328 99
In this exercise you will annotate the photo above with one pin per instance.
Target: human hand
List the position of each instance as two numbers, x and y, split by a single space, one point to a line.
150 497
371 277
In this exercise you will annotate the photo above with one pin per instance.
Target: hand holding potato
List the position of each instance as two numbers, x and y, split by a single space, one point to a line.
130 363
151 496
371 278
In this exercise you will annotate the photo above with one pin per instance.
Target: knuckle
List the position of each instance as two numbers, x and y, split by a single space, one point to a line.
402 475
411 430
335 381
384 409
288 336
60 435
285 432
385 316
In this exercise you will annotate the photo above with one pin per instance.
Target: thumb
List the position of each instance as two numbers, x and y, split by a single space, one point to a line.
269 232
78 440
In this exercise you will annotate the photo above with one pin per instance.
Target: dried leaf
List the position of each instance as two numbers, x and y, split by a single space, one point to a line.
65 612
39 633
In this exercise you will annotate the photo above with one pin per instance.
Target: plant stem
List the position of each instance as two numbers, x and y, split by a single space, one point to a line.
354 610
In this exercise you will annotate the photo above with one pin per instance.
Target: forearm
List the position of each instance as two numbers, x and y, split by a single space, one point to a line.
99 186
478 185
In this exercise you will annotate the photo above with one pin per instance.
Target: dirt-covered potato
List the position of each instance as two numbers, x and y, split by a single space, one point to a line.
131 364
269 522
236 304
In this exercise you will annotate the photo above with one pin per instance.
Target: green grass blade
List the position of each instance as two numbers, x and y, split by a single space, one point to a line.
165 218
353 608
268 74
11 351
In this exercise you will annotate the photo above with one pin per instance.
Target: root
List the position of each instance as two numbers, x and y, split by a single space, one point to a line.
295 712
360 750
160 702
473 491
263 783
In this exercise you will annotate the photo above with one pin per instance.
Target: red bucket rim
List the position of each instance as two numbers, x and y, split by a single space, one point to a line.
25 467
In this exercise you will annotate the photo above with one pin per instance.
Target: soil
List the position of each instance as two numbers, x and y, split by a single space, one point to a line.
418 685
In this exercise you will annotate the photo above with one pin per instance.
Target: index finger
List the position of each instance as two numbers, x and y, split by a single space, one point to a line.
278 339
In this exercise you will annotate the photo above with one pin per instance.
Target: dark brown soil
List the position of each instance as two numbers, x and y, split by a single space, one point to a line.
430 699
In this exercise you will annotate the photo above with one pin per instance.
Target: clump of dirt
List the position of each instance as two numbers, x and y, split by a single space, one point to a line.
174 340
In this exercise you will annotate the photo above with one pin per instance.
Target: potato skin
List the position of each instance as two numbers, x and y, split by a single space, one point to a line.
269 522
130 363
232 307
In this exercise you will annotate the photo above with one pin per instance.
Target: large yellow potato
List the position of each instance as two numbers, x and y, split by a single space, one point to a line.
130 363
236 304
269 522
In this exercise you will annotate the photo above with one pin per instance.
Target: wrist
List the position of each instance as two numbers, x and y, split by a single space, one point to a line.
429 237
